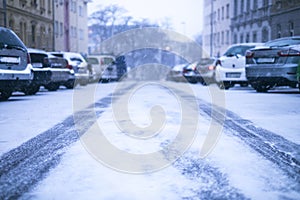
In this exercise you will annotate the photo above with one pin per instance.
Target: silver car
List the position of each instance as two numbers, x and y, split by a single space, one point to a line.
273 65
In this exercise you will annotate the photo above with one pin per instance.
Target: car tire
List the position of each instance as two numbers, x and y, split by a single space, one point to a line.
31 89
52 86
224 85
70 84
5 94
261 89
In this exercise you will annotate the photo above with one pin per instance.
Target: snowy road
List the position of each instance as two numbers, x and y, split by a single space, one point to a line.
255 156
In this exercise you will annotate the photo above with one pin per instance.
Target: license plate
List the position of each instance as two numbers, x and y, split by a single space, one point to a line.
233 75
37 65
265 60
10 60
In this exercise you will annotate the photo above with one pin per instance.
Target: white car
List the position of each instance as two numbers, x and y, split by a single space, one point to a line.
230 68
98 63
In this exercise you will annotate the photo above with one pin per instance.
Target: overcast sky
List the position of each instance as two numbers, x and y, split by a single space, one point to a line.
186 15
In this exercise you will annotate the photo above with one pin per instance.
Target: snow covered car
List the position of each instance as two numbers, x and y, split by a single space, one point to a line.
15 67
273 65
176 74
76 62
230 68
49 71
98 63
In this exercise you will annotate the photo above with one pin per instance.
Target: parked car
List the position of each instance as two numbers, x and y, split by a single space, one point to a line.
206 67
230 68
191 74
176 73
98 63
49 71
76 62
15 66
273 65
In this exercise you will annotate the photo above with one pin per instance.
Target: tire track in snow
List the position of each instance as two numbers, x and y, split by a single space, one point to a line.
284 153
23 167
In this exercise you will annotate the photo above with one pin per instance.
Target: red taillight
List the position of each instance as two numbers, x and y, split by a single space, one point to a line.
288 52
69 66
249 54
211 67
28 58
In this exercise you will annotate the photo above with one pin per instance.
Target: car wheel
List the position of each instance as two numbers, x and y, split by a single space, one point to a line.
225 85
261 88
52 86
4 95
70 84
244 84
31 89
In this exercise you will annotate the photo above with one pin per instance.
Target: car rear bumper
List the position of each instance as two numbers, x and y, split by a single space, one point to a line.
275 74
230 74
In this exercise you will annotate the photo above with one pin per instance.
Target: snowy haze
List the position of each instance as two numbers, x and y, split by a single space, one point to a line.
185 16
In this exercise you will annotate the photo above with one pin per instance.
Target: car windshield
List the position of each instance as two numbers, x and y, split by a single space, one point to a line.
237 50
283 42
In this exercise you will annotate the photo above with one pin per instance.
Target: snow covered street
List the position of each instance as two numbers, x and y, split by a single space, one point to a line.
233 144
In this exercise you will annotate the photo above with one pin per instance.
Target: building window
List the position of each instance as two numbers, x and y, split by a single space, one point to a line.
254 36
80 11
235 38
241 38
33 27
242 6
248 6
227 37
291 28
61 29
278 31
265 35
235 11
247 37
218 14
222 37
81 35
255 5
227 11
222 12
56 29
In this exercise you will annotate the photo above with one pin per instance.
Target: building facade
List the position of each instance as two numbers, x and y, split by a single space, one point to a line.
285 17
243 21
51 25
31 20
70 25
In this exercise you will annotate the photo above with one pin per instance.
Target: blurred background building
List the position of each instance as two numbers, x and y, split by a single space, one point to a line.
247 21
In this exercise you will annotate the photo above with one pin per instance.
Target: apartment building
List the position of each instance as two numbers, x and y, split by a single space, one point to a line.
52 25
243 21
285 17
70 25
31 20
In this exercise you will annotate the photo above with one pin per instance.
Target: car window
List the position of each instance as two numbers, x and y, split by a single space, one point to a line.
37 57
93 61
76 59
283 42
9 38
235 50
107 61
